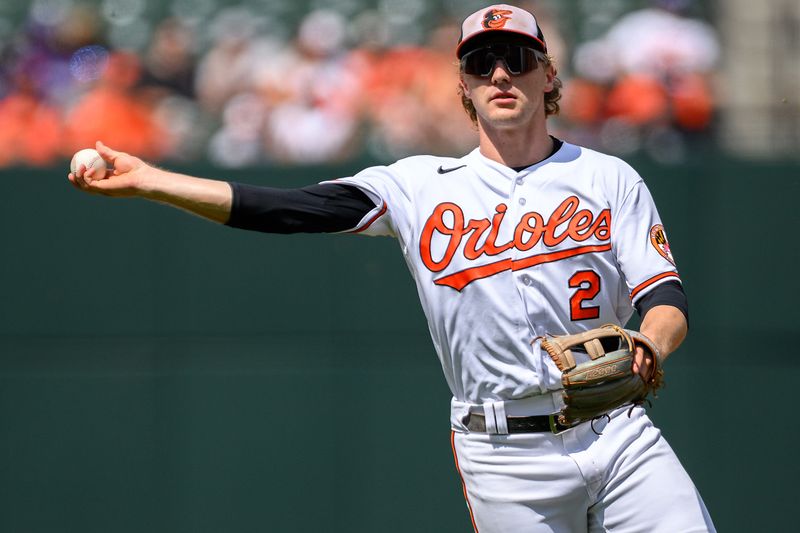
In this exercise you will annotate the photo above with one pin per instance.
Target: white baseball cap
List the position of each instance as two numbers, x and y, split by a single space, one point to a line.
501 18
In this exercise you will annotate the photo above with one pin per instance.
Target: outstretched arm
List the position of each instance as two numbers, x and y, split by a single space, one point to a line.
129 176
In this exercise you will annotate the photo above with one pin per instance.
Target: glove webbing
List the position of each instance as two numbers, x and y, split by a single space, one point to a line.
559 348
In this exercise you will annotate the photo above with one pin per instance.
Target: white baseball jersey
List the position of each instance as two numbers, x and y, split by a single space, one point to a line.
500 257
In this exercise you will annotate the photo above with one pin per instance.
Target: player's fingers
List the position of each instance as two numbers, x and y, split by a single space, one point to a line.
641 363
105 152
83 178
79 183
79 176
117 162
89 173
103 187
78 172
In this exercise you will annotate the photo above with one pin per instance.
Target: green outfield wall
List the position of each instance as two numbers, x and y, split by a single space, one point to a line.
159 373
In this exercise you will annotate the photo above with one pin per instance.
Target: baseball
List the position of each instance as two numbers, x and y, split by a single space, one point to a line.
91 159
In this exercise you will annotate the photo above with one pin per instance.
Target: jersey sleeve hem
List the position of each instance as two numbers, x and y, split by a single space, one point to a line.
381 208
647 285
370 221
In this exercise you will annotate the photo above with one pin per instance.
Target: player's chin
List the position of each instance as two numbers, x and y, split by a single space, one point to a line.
506 117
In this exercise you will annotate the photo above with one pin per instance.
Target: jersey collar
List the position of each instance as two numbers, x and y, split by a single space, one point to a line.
562 152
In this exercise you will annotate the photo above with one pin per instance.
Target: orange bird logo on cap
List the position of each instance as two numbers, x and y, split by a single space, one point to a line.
496 19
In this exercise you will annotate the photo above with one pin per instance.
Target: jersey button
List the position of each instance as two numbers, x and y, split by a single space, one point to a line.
522 201
520 181
526 279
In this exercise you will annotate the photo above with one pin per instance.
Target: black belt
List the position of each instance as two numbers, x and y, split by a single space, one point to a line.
520 424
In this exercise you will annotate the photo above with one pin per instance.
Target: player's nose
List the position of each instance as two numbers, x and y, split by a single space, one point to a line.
500 71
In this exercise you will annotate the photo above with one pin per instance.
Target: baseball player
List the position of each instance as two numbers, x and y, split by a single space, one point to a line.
526 236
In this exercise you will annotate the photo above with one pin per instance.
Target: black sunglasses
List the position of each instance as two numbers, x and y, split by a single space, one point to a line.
518 59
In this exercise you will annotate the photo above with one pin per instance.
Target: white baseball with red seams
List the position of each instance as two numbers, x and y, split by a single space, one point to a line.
90 158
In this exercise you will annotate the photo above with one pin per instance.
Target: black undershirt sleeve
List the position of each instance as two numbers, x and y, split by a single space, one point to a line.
669 293
321 208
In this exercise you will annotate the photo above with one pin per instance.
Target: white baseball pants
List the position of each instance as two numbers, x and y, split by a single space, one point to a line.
626 480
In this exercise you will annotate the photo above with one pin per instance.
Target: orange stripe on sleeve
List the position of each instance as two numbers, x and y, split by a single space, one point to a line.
642 286
464 485
373 219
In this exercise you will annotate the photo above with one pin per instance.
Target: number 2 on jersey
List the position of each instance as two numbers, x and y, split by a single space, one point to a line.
588 284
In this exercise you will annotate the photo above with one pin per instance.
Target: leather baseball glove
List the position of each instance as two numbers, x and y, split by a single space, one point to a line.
594 388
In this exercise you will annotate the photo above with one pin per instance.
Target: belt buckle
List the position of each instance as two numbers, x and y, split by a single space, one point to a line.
555 426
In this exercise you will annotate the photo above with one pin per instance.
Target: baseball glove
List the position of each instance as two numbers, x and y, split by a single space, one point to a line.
594 388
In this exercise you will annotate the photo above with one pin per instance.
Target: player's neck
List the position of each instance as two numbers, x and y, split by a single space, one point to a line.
515 147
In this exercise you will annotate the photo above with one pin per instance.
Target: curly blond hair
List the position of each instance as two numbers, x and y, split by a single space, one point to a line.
551 105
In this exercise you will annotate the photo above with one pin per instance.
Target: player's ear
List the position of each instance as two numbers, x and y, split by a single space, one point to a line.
550 73
463 85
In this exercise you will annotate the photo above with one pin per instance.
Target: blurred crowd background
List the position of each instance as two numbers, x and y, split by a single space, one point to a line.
258 82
